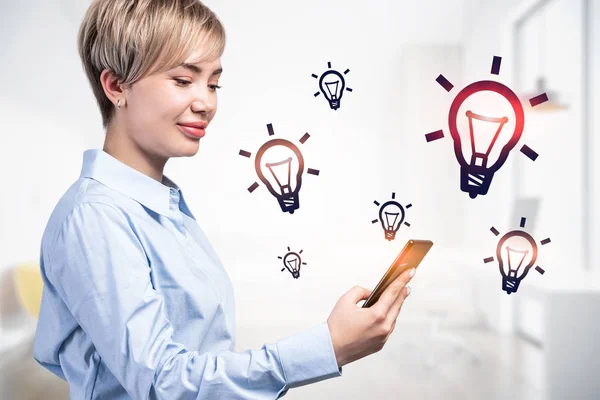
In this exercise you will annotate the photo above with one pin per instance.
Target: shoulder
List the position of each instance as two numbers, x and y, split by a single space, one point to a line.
88 209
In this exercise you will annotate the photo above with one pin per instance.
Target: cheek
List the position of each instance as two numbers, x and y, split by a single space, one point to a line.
162 109
215 102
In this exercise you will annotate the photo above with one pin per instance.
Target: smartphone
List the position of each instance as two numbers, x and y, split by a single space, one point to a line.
411 255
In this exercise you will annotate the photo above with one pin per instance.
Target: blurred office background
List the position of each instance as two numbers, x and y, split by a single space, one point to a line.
459 335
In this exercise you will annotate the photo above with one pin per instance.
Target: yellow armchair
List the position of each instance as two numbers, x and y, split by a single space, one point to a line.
29 285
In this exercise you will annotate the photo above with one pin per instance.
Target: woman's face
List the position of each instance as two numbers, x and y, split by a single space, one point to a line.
160 106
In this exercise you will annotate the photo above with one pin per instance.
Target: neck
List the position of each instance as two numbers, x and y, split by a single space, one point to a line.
120 146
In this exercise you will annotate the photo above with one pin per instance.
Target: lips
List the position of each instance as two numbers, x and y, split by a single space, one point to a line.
196 130
195 124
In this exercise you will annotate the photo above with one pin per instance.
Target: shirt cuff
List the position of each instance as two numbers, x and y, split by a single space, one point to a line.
308 357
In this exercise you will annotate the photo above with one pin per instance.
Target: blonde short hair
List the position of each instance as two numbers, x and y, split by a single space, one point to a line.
136 38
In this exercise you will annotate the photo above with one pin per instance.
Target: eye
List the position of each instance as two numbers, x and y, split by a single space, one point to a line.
214 87
182 82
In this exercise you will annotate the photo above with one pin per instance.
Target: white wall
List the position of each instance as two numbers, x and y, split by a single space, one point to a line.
594 51
46 112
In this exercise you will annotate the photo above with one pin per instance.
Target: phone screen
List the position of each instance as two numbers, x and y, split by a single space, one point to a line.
411 255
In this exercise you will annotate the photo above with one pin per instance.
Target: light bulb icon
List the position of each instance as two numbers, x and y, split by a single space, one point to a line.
332 84
391 217
282 177
292 262
516 253
477 168
279 164
484 146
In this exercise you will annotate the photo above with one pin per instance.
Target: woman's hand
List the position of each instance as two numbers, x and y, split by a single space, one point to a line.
357 332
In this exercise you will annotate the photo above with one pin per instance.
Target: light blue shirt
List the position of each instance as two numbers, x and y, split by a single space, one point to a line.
136 303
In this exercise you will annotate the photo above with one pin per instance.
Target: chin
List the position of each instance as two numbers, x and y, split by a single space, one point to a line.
183 145
189 149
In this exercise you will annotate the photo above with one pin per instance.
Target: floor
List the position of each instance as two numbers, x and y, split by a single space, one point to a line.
411 366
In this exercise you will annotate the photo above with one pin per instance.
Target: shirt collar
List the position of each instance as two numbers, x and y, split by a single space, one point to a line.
101 166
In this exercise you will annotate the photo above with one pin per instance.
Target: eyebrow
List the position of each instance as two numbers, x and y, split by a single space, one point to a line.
197 70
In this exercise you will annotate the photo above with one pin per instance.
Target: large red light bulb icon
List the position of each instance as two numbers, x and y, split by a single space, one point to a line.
483 145
477 167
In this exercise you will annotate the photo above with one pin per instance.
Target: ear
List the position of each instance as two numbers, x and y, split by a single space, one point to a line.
112 86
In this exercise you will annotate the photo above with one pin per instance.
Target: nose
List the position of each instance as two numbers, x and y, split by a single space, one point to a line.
204 102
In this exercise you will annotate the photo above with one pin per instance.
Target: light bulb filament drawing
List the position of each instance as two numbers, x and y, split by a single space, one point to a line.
285 188
333 94
478 158
513 255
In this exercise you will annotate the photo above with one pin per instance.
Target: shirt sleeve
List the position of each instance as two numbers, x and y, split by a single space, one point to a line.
101 271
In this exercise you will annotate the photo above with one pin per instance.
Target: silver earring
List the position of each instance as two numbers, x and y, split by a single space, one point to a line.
119 103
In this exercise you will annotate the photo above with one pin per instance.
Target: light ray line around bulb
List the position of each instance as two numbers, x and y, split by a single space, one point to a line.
540 269
253 187
430 137
445 83
496 65
539 99
304 138
530 153
523 220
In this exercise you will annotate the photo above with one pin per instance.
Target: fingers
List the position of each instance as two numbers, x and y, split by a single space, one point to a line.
357 293
397 305
391 293
393 325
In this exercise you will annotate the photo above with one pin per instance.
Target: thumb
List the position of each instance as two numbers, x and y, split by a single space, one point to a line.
358 293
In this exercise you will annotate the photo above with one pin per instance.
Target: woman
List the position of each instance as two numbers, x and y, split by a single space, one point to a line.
136 303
